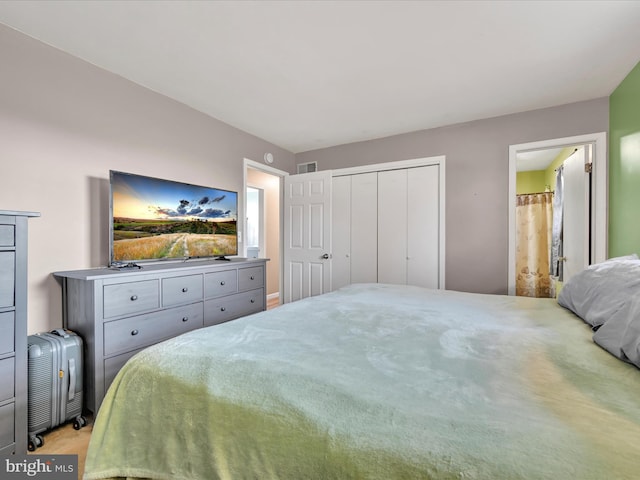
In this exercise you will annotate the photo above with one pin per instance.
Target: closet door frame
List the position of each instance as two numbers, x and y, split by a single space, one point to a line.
439 160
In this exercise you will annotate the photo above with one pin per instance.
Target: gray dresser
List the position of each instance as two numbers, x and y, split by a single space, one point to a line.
13 331
120 312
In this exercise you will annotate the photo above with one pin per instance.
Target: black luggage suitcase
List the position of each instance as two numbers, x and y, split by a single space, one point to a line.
54 383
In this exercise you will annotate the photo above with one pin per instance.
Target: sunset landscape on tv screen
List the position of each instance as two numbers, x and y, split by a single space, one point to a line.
154 219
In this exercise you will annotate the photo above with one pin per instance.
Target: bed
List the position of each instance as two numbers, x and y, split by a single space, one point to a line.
376 381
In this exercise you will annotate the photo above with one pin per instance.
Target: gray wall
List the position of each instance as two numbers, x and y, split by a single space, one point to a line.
64 124
477 164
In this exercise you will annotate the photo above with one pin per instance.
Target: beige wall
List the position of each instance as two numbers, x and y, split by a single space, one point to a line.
477 166
271 186
63 124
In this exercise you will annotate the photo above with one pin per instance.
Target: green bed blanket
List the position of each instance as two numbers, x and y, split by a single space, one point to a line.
376 382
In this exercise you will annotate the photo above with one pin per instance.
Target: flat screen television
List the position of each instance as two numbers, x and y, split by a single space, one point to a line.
154 219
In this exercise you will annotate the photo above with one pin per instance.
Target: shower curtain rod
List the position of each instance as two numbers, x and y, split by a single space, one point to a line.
574 151
534 193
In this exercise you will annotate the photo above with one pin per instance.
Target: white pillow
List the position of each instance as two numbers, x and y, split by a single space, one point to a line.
596 293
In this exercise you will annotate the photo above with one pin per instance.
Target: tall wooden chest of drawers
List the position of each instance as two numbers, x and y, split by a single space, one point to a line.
120 312
13 331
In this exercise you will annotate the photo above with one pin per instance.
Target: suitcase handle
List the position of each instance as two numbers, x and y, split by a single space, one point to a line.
61 332
72 378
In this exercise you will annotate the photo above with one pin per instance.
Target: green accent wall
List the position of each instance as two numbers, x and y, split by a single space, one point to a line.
550 172
624 166
531 181
536 181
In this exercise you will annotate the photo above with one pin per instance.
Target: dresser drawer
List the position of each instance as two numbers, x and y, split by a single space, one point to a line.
113 365
233 306
132 297
7 425
7 279
220 283
179 290
7 327
144 330
7 235
7 370
250 278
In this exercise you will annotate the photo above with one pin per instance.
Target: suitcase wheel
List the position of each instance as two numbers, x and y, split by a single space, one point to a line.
34 442
79 422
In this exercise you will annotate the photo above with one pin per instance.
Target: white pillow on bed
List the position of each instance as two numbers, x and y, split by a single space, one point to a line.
600 290
607 297
620 335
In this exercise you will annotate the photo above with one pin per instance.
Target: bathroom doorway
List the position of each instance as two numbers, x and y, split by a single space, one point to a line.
263 222
595 203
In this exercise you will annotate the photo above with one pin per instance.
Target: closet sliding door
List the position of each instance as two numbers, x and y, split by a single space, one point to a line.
387 226
355 229
423 235
340 232
392 226
364 228
408 233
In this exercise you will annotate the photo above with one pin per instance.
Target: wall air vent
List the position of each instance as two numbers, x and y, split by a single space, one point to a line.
308 167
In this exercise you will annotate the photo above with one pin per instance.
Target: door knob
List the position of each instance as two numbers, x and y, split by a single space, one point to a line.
325 256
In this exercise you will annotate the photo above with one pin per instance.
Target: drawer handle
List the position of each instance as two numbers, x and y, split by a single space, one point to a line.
134 298
253 301
222 282
134 332
184 319
222 309
251 277
185 290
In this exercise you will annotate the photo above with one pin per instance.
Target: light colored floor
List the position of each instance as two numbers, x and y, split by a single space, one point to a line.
64 440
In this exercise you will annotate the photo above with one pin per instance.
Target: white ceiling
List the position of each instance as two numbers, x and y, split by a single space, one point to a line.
311 74
536 159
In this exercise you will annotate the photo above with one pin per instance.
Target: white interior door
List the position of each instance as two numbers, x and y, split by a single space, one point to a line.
575 242
341 231
307 234
364 228
423 237
392 227
354 229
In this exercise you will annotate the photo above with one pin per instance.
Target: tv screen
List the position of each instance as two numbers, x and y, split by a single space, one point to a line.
155 219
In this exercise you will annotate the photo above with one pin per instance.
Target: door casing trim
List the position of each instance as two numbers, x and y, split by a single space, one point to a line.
247 163
599 197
